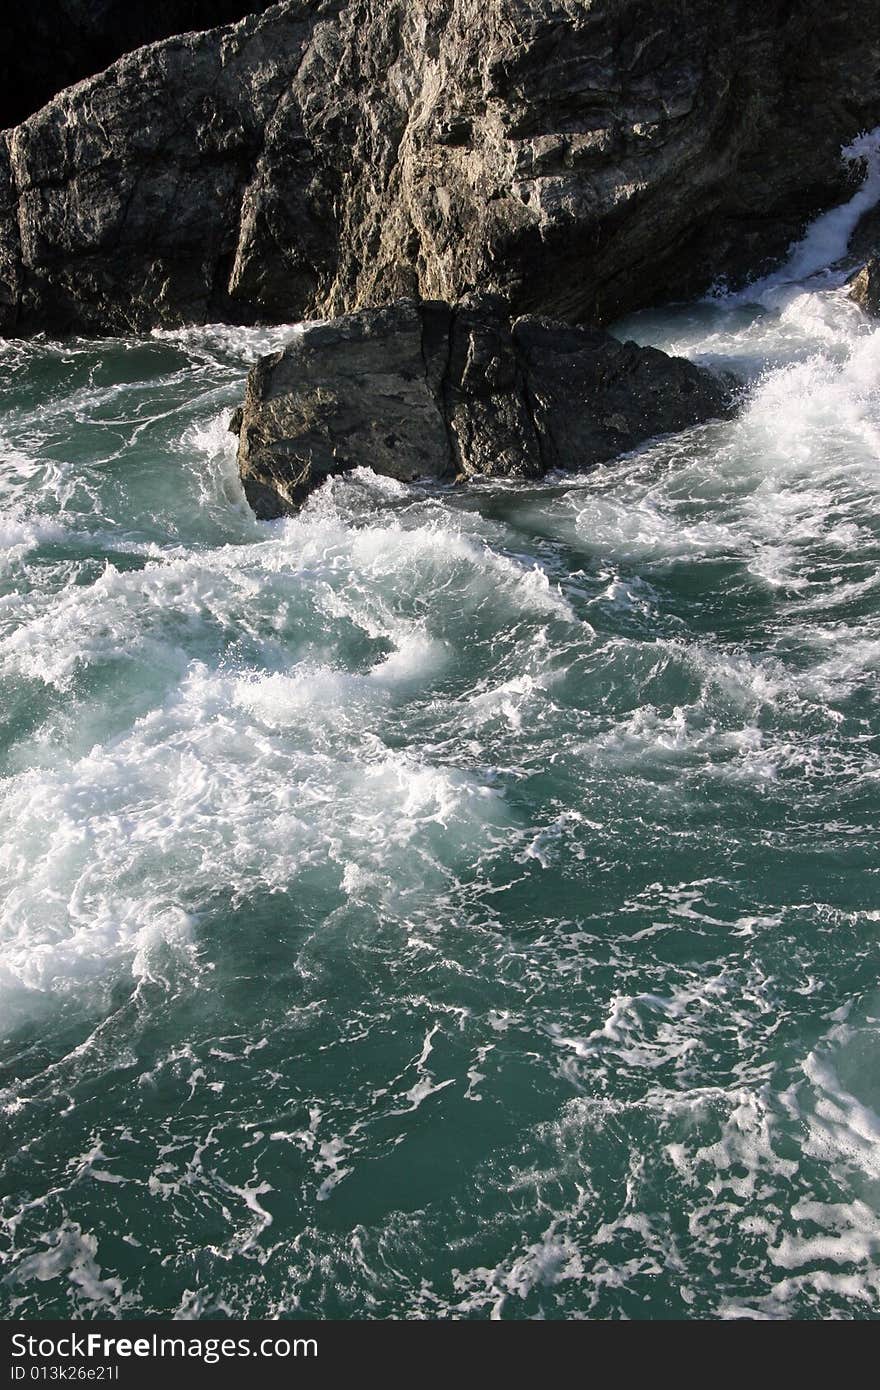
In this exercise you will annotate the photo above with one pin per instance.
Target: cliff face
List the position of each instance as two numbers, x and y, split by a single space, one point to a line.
580 158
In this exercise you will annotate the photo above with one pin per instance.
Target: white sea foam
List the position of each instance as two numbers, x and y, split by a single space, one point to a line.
536 776
827 238
237 341
792 428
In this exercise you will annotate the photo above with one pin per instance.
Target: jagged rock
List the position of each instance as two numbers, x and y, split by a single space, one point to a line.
865 287
580 158
593 397
425 390
485 396
358 391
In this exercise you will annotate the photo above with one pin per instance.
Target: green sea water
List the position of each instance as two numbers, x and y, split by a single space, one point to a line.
445 903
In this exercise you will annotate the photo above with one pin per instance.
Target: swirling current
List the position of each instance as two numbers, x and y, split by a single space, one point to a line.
445 903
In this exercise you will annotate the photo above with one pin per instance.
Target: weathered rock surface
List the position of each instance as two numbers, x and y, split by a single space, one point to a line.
426 390
46 46
361 390
865 287
582 157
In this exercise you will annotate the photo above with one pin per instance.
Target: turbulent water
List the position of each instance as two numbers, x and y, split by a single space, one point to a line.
444 903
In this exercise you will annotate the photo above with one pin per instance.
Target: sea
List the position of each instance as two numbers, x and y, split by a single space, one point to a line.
449 902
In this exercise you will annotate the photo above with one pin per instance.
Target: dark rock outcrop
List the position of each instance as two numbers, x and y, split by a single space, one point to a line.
357 391
865 287
48 45
581 158
425 390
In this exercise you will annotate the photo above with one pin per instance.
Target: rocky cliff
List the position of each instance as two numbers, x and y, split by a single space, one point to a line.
581 157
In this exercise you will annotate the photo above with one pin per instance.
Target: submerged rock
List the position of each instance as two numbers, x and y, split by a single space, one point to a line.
428 390
580 158
865 287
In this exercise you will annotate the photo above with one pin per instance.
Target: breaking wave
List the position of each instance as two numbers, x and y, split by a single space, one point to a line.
444 903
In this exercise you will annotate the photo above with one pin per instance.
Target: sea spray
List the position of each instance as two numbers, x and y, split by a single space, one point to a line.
826 240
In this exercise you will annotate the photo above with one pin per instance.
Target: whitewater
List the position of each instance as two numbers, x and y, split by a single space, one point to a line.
446 902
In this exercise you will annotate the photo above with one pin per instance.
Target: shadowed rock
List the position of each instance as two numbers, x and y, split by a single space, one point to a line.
357 391
425 390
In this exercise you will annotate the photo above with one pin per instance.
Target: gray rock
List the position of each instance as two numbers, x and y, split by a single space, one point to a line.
425 390
484 397
865 287
359 391
593 397
127 188
580 158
